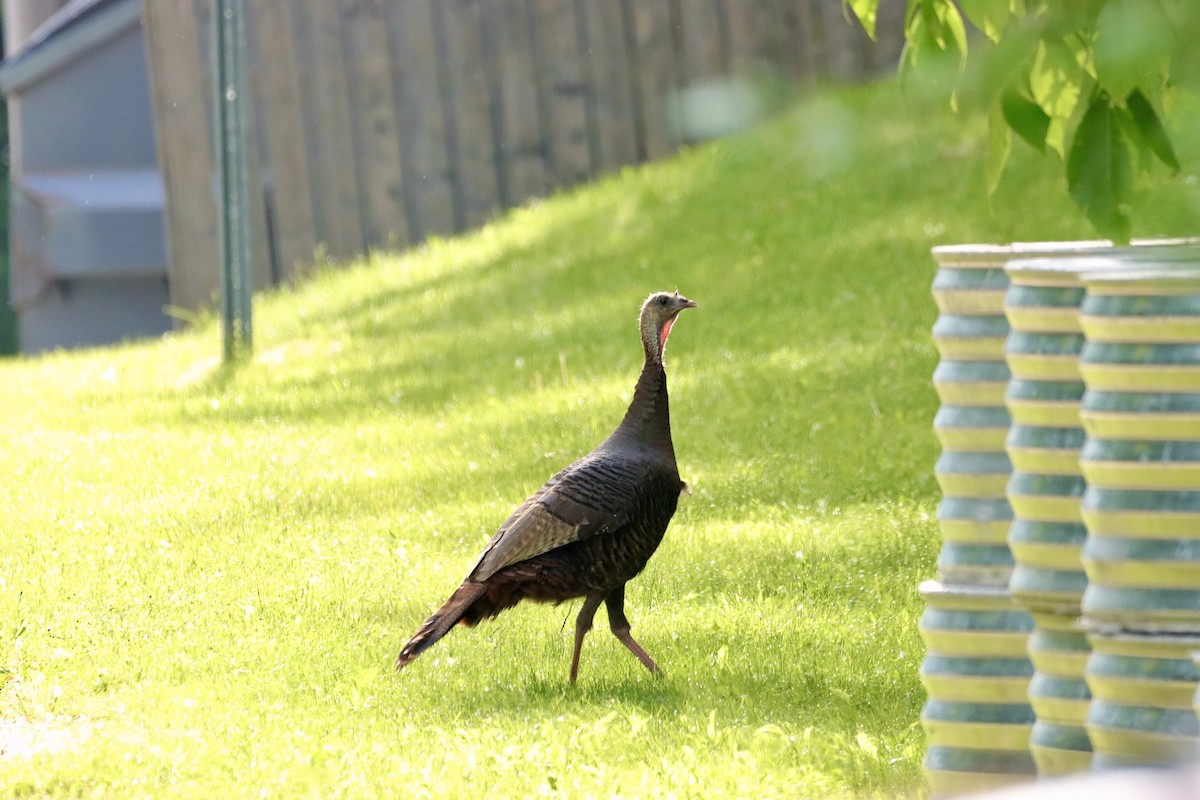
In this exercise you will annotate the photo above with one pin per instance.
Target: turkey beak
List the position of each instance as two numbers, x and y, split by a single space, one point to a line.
685 303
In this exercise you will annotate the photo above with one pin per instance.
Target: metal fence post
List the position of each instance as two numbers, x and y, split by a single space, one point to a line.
233 217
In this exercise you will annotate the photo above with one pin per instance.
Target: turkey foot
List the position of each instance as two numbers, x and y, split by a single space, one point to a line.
620 628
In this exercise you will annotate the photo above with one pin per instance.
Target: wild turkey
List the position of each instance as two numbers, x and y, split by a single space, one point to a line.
593 526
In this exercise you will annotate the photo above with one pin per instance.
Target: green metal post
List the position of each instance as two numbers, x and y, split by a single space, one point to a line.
9 328
9 332
233 218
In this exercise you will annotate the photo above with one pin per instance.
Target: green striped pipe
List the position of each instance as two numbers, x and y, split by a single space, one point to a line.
1059 695
1142 687
1044 399
1043 445
1047 534
1196 696
982 688
976 674
971 380
1142 455
971 423
957 771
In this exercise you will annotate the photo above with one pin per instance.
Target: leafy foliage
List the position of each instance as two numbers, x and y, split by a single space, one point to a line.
1026 118
1089 79
1098 169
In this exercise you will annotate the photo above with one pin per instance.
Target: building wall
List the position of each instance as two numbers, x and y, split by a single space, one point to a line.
87 248
94 113
84 313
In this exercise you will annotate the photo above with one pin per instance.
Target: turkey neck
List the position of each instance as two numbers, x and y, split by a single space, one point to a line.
648 420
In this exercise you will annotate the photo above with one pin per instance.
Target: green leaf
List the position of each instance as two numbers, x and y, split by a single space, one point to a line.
998 147
1026 118
1151 129
1100 172
935 23
990 16
996 68
866 11
1133 40
1185 57
1056 83
916 39
922 37
952 23
1054 78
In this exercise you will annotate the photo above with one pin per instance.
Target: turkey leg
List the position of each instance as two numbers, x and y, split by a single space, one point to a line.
583 624
620 627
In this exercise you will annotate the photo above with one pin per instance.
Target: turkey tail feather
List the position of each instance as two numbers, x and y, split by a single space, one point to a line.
438 625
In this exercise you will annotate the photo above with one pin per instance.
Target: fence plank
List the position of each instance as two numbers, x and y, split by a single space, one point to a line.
656 80
184 149
493 82
558 50
801 24
755 38
524 125
889 30
704 51
846 53
472 145
277 86
609 86
330 138
421 118
262 265
377 137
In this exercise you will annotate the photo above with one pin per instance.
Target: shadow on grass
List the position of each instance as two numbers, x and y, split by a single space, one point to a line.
761 684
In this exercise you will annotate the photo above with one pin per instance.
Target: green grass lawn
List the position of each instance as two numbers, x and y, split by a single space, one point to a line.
205 575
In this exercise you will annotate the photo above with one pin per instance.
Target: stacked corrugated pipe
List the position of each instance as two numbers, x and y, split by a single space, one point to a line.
1141 459
1047 532
976 672
1007 696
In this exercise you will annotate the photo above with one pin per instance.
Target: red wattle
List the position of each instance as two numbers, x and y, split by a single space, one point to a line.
664 333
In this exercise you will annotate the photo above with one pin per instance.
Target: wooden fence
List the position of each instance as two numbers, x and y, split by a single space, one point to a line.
377 123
